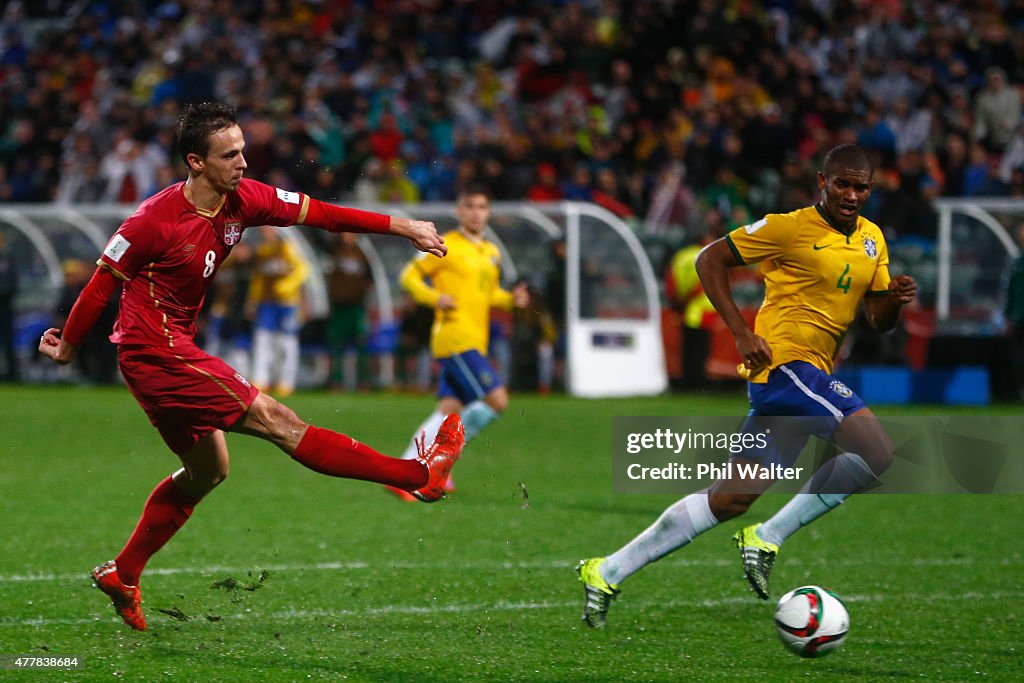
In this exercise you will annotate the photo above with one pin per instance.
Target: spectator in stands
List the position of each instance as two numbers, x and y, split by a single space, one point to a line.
981 177
875 135
129 170
997 111
580 187
672 205
910 125
396 186
546 188
606 193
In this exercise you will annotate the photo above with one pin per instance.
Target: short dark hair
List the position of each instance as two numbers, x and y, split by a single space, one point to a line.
470 189
847 157
198 122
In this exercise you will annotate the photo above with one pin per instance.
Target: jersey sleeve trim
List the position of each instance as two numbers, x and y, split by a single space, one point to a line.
304 208
735 251
113 271
877 293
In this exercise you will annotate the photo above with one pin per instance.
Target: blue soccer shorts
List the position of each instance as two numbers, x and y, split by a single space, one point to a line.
467 376
798 401
277 318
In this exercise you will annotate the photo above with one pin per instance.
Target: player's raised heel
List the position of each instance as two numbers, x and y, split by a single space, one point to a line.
597 593
440 458
758 557
400 494
127 599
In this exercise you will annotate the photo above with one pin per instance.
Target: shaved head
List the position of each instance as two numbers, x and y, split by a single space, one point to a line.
847 158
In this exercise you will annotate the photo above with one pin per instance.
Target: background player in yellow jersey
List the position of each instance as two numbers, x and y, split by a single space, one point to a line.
462 288
275 301
819 264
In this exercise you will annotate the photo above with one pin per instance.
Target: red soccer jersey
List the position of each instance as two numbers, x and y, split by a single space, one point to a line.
168 252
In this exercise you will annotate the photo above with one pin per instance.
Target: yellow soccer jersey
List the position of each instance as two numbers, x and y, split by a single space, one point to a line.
469 273
278 273
815 278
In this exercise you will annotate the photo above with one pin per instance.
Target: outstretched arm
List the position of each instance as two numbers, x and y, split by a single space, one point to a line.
713 265
883 312
84 314
422 234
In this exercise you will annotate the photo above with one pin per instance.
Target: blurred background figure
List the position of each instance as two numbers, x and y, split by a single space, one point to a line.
8 289
129 170
1015 316
545 188
554 298
533 346
228 332
275 307
415 364
348 283
672 202
693 311
97 359
997 111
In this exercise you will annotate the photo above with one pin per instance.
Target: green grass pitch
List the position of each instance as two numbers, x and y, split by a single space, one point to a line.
285 575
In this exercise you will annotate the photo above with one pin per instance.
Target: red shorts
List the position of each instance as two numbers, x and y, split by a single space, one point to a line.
186 392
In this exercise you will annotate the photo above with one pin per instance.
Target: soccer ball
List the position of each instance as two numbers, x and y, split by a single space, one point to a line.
812 621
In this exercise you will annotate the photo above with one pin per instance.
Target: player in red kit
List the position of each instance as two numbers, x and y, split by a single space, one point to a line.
164 257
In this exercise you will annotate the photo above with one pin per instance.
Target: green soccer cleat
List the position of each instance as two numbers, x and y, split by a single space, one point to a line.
598 592
758 557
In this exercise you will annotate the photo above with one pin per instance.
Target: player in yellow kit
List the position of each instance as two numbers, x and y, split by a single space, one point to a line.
820 263
462 288
274 301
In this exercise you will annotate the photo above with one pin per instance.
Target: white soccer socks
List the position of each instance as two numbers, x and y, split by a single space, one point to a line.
476 416
833 483
682 522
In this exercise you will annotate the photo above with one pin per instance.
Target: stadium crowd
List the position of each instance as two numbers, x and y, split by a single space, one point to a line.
658 110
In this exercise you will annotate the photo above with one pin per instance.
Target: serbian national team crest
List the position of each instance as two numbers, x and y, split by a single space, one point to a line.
870 248
232 233
840 388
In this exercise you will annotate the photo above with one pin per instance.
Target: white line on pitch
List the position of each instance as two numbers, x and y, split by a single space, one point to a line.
469 566
307 615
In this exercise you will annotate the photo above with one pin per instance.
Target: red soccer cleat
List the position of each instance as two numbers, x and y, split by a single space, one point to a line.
440 457
127 599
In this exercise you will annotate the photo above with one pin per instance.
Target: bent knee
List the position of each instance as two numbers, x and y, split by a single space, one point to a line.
498 401
218 477
198 483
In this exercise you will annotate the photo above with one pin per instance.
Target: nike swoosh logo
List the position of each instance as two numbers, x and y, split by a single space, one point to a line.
817 248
